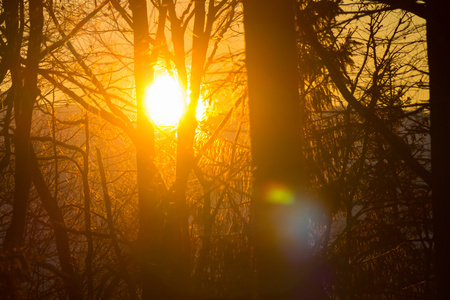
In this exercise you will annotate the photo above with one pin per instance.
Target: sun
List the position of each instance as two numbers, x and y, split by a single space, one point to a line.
165 101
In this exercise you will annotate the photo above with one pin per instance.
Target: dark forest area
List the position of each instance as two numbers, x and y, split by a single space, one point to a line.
224 149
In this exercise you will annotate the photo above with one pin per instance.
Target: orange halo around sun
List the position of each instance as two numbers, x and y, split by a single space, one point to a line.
165 102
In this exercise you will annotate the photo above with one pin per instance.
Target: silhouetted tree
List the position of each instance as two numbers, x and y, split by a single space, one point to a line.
24 92
280 189
439 64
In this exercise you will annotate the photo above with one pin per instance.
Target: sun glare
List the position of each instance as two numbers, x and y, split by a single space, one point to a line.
165 102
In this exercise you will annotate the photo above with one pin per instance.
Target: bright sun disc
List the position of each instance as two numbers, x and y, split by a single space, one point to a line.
165 101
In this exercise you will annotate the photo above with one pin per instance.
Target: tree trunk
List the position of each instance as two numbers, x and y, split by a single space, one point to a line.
14 234
439 65
112 231
23 108
151 217
279 192
87 214
177 225
58 223
24 98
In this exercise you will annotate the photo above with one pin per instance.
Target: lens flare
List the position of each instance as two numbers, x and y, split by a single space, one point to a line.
278 194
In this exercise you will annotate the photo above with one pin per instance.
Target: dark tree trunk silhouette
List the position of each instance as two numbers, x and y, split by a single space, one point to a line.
177 223
24 100
276 145
24 97
151 218
439 65
15 233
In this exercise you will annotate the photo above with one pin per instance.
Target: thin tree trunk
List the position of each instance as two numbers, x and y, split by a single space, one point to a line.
109 220
56 217
4 162
87 215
